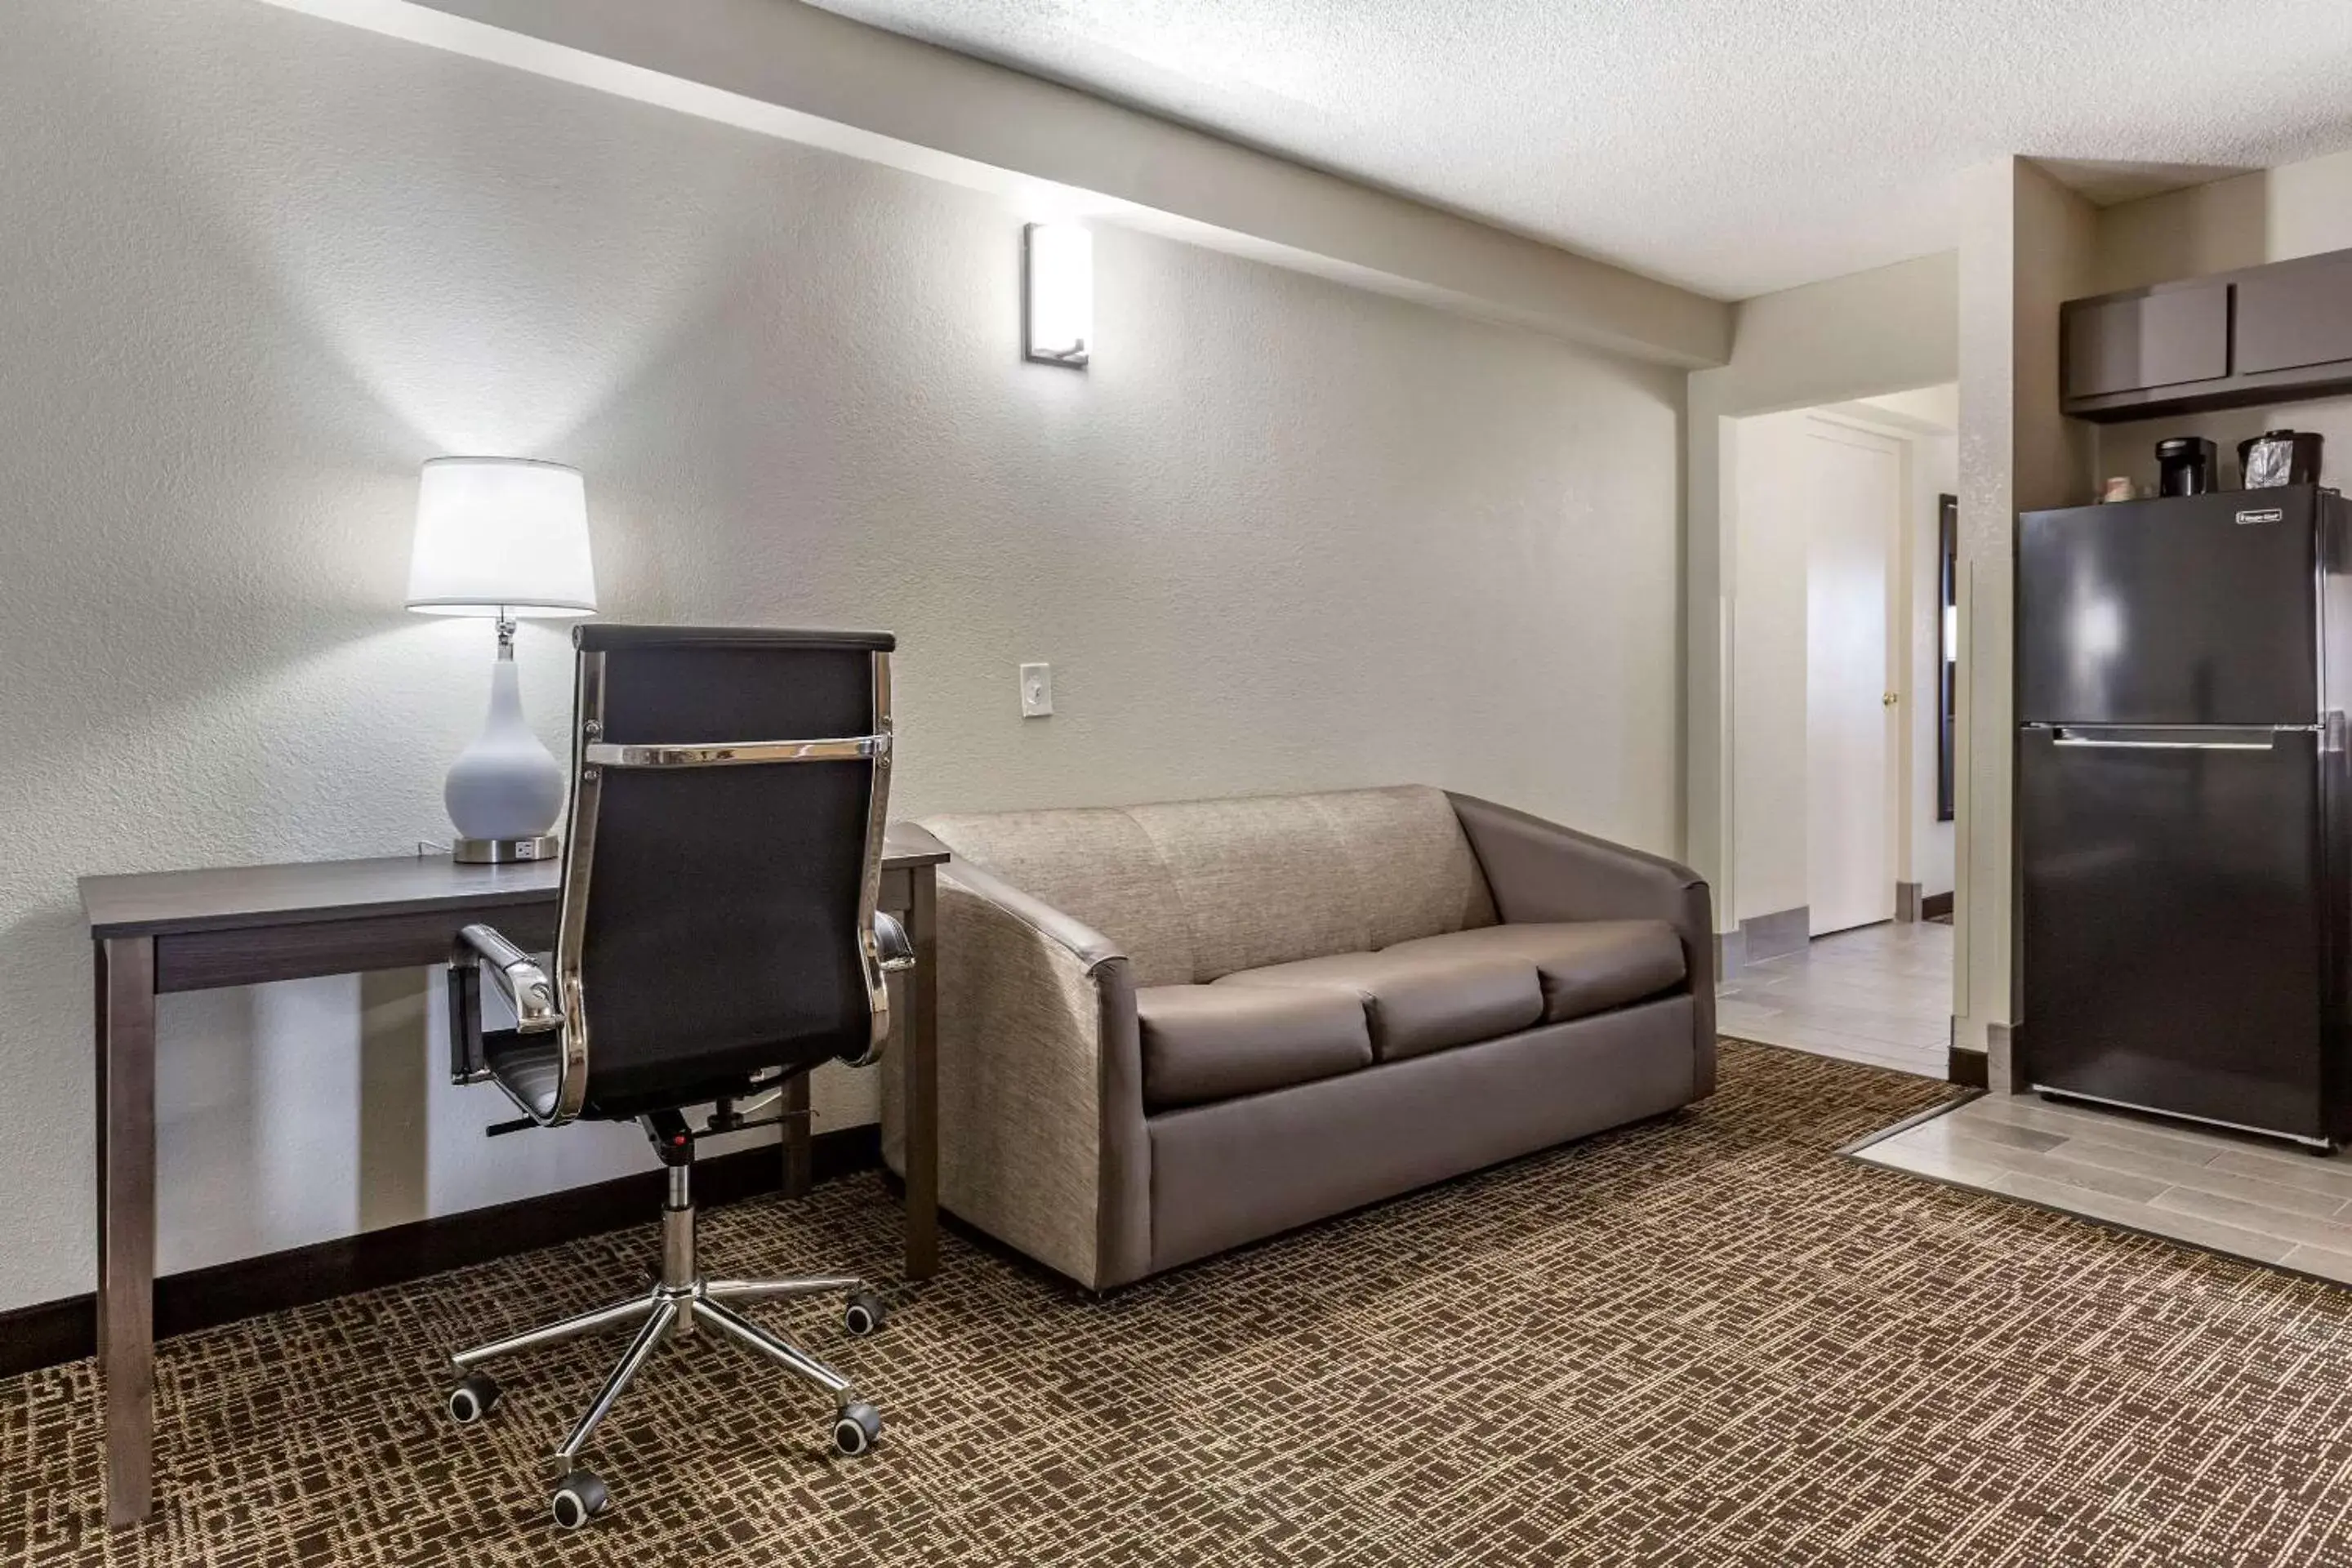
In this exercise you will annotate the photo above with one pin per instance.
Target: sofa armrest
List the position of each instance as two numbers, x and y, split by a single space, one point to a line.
1538 870
1041 1141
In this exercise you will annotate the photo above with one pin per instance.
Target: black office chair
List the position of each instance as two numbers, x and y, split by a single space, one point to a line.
717 934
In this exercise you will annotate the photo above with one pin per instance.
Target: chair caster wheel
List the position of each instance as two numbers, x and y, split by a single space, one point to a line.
856 1429
579 1498
473 1397
864 1314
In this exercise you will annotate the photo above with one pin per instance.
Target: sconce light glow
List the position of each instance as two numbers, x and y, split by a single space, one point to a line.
1058 275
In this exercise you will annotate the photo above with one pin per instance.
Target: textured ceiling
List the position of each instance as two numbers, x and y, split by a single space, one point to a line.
1732 146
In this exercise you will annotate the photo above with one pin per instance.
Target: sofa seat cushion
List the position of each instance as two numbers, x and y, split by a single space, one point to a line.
1415 1002
1586 966
1207 1042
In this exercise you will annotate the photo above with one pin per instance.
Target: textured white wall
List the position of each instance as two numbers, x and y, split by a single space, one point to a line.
2027 244
1283 534
1771 778
793 70
2270 215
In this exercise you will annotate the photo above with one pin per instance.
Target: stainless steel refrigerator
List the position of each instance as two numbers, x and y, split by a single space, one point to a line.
2184 820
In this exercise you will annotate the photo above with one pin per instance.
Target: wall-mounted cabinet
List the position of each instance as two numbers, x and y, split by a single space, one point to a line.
2295 315
2143 343
2267 334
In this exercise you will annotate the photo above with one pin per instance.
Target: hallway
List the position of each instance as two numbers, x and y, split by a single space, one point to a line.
1881 994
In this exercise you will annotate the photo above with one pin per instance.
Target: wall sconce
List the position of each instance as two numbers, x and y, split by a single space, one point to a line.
1057 272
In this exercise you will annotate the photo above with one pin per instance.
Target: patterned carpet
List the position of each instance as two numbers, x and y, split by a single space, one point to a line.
1707 1340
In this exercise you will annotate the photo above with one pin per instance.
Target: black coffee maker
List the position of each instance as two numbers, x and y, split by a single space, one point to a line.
2184 466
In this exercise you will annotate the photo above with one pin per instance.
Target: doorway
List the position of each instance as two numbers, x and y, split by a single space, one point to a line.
1839 837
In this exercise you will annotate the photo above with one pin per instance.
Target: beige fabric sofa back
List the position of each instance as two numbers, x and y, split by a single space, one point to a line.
1193 890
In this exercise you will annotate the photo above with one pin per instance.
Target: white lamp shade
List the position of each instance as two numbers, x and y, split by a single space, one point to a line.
498 534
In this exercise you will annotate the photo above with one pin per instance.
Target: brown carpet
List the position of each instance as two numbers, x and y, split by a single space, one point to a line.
1707 1340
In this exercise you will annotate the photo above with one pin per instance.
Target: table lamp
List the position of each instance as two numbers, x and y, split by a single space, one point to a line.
503 538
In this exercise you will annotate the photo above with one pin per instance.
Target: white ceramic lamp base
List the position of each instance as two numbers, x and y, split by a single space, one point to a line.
504 790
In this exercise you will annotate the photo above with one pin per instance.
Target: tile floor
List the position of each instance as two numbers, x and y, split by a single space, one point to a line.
1880 995
2252 1198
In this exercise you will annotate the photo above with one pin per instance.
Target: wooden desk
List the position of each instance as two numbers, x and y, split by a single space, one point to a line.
193 930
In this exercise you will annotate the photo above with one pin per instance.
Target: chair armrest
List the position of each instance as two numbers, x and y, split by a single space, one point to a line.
1041 1141
890 951
515 978
1538 870
893 950
519 979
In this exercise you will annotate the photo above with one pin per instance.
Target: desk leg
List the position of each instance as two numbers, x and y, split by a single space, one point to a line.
126 1220
922 1079
799 1176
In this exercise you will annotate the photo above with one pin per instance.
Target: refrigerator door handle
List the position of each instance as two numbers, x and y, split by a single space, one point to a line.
2210 741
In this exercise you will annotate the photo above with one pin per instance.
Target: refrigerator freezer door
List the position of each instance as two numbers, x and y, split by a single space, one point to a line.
2174 922
2195 610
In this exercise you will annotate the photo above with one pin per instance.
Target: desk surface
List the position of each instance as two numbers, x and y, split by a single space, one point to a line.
150 904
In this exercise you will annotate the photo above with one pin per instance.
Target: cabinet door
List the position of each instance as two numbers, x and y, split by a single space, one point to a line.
2295 314
2166 339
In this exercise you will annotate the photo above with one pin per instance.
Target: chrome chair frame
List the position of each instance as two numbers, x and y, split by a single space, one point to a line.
681 1299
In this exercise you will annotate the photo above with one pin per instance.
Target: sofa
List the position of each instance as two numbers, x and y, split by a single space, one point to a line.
1168 1030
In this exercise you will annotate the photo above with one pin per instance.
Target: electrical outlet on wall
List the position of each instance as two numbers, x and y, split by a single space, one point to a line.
1036 690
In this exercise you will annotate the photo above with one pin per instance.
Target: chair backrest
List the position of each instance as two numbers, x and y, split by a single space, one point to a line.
722 858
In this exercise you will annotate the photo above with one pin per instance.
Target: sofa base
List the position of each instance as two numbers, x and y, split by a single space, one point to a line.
1246 1169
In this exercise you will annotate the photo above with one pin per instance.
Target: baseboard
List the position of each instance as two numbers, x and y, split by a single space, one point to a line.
2004 1049
1935 905
1968 1068
50 1333
1730 957
1769 936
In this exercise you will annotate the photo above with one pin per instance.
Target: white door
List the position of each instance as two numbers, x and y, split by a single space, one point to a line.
1856 505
